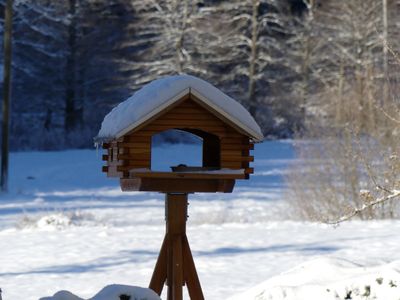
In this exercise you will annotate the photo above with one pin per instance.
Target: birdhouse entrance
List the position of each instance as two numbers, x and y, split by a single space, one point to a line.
199 156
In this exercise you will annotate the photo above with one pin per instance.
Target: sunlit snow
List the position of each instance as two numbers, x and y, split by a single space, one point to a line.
65 226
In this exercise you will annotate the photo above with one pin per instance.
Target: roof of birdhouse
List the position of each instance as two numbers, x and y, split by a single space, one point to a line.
158 95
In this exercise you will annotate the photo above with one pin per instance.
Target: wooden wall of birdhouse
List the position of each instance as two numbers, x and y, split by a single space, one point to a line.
225 145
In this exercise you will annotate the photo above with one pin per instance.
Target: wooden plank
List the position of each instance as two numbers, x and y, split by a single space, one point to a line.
238 158
137 151
191 122
231 165
150 133
219 115
189 110
237 139
137 165
144 135
160 271
186 175
176 115
163 127
161 113
136 145
239 147
184 114
123 168
245 165
232 151
177 264
135 156
175 185
131 166
137 161
136 138
189 103
249 170
190 273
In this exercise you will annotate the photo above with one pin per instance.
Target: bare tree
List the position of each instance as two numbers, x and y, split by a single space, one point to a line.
73 114
38 52
6 94
357 144
246 55
169 27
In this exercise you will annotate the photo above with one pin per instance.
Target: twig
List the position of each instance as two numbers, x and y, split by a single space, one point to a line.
394 54
393 194
387 115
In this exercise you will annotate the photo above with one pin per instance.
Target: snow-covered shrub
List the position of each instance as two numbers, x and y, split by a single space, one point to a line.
57 220
340 173
111 292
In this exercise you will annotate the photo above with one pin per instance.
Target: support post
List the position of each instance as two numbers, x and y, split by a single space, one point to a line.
175 265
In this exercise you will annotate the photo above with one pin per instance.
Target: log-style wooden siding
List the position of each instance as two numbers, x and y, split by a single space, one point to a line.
133 151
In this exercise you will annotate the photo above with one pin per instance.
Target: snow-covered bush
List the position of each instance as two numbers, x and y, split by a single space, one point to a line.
340 174
57 220
111 292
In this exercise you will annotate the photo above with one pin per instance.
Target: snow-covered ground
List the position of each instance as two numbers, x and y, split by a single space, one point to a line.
65 226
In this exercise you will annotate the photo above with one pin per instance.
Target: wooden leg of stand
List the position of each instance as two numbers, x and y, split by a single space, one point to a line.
160 270
177 265
170 270
176 215
191 278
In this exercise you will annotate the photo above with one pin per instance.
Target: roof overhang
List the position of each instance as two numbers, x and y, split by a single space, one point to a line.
204 100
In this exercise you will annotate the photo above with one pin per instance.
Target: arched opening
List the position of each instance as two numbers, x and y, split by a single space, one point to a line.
175 147
191 148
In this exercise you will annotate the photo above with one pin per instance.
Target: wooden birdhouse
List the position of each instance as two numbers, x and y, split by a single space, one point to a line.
227 130
228 133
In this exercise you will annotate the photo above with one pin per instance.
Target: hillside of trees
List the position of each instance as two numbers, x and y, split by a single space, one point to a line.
291 63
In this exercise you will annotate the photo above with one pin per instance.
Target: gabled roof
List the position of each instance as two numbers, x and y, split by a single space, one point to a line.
159 94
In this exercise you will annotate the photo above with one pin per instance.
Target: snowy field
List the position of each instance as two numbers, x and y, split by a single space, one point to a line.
64 225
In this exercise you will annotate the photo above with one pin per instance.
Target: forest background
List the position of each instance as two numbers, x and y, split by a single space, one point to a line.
291 63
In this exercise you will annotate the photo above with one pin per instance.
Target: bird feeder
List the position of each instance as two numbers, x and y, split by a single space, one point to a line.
228 133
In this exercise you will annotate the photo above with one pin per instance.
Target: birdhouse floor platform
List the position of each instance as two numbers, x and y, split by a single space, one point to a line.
205 181
177 185
207 174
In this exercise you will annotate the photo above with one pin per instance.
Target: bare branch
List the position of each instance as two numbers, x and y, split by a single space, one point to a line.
356 211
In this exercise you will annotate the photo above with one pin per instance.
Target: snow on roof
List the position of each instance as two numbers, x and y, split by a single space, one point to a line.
157 95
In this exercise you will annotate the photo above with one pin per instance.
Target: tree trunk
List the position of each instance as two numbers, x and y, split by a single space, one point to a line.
306 61
180 39
7 95
340 116
73 115
385 53
253 58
